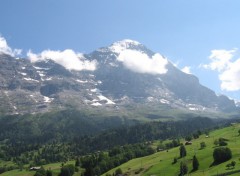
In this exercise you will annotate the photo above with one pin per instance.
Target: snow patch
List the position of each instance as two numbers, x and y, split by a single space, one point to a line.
24 74
109 102
40 68
48 79
113 64
80 81
95 90
150 99
96 104
164 101
47 99
30 79
193 109
41 73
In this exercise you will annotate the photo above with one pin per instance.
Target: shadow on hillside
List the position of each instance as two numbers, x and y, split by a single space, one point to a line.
227 173
192 171
214 164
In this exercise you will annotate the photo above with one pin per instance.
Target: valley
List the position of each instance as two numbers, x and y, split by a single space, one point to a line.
161 162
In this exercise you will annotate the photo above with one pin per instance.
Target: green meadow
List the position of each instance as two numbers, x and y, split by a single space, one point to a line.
160 163
54 167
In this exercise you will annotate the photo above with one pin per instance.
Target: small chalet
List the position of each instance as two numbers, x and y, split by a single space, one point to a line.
188 143
34 168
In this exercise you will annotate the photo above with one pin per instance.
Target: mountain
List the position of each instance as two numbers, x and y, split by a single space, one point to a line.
128 79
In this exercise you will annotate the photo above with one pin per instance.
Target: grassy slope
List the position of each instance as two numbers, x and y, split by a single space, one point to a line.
55 167
160 163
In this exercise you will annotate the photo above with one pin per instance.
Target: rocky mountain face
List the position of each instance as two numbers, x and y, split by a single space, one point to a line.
118 82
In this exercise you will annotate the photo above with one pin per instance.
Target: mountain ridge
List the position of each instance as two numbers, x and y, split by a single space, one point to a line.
126 74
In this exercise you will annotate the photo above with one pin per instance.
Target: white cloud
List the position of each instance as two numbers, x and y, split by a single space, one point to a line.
67 58
231 77
5 49
186 70
220 59
142 63
228 69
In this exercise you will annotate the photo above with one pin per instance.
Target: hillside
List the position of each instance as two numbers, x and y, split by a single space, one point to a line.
160 163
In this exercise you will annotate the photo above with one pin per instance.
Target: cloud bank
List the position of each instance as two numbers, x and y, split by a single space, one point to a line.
67 58
142 63
5 49
227 67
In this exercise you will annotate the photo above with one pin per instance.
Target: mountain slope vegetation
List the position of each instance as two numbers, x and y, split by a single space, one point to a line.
161 163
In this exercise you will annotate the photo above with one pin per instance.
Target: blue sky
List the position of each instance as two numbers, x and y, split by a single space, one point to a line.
187 32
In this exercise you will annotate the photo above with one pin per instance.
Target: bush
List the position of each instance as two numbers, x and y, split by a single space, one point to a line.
231 165
49 173
202 145
222 141
40 172
183 169
221 155
174 160
216 142
118 171
67 170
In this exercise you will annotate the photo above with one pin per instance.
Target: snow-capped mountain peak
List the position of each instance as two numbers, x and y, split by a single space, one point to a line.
124 69
118 47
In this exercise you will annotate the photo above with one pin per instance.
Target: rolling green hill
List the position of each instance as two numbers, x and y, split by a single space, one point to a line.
160 163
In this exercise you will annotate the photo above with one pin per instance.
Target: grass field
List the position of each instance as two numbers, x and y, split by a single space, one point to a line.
160 163
55 167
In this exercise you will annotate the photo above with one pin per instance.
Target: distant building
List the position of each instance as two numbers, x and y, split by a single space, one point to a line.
34 168
188 143
160 149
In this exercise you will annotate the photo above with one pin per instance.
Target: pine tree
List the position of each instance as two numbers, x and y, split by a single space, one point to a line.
183 151
195 163
183 169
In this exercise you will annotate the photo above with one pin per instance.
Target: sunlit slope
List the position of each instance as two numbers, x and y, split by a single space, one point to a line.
160 163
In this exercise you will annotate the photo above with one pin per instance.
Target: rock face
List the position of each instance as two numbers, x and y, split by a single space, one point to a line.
119 81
